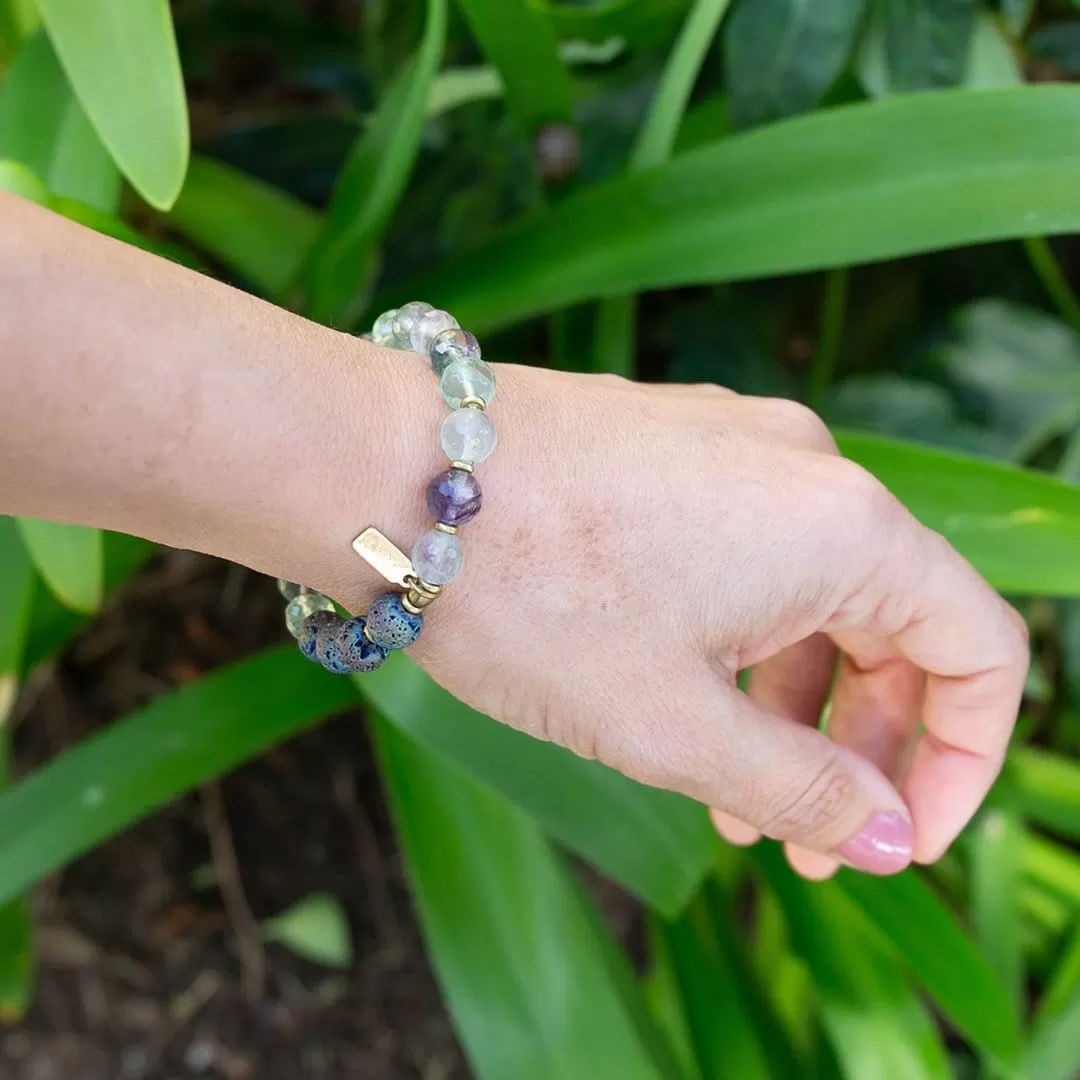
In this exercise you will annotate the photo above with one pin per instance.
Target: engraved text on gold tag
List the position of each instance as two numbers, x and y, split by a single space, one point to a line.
383 555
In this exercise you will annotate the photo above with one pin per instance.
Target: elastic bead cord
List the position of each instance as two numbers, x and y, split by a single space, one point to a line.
454 498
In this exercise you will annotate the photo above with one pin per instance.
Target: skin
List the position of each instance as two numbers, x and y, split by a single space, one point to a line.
640 545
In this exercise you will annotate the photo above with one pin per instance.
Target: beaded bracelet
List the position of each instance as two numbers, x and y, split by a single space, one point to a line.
395 619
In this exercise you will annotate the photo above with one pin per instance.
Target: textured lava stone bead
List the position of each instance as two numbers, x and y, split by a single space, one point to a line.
454 497
327 650
358 652
303 605
390 625
308 636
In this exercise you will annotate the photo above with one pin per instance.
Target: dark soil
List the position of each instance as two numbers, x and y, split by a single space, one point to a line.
139 976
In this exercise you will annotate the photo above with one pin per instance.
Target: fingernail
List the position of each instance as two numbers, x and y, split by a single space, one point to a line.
882 847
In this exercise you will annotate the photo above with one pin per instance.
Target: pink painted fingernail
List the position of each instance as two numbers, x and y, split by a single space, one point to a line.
882 847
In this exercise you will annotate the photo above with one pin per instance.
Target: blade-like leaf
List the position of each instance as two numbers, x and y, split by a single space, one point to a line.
927 42
996 884
16 960
877 1025
120 58
534 989
1021 529
873 181
1053 1051
928 940
782 55
177 741
70 558
16 596
1043 787
19 180
525 51
18 20
260 232
374 177
638 22
655 843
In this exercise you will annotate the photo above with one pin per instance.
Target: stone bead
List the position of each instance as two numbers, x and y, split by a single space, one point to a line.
382 333
467 378
355 647
327 649
438 557
454 497
300 607
428 327
405 320
308 637
390 625
467 435
452 345
289 589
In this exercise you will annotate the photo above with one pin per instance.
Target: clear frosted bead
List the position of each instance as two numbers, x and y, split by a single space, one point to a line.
300 607
382 333
438 557
451 345
405 320
467 435
289 589
467 379
428 327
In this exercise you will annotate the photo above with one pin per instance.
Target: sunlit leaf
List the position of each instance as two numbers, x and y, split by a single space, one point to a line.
19 180
70 558
316 929
536 988
121 60
178 741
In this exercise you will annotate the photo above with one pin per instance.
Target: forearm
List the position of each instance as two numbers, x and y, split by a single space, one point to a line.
139 396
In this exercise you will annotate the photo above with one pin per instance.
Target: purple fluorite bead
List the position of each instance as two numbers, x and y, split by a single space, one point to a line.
454 497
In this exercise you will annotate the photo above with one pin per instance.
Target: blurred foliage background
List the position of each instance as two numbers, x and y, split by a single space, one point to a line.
864 204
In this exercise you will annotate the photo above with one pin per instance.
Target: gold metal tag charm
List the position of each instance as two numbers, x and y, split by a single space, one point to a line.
384 556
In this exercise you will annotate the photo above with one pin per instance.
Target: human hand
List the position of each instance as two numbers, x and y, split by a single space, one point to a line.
640 545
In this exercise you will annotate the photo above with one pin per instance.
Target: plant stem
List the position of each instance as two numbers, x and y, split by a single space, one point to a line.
1046 266
832 324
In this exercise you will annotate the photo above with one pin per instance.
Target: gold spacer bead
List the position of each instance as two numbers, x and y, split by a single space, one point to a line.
464 466
442 526
473 403
409 606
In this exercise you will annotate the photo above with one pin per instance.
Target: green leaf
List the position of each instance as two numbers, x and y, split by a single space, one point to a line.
19 180
16 960
1044 787
931 944
18 20
992 61
70 558
1021 529
173 744
256 230
877 1025
638 22
374 177
614 346
316 929
43 125
927 42
16 597
525 51
1064 981
460 86
782 55
873 181
1058 42
120 58
996 882
534 985
657 844
1053 1051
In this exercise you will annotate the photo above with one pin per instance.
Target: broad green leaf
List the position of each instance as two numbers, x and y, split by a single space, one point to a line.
664 996
176 742
927 42
996 885
782 55
43 125
872 181
525 51
534 987
614 347
16 597
1064 981
1053 1050
1044 787
927 939
18 20
656 844
316 929
70 558
878 1027
120 58
1017 14
1021 529
19 180
1053 867
374 177
260 232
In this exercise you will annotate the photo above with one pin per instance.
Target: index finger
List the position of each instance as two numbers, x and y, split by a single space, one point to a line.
940 614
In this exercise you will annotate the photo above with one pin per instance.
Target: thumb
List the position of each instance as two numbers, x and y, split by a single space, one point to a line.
787 779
